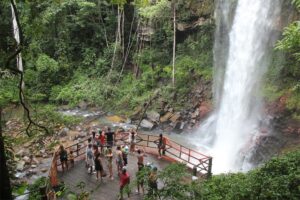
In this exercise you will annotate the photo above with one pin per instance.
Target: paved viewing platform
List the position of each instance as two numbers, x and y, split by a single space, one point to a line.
107 189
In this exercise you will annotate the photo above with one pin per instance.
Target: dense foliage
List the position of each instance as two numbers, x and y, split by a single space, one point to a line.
112 54
283 76
277 179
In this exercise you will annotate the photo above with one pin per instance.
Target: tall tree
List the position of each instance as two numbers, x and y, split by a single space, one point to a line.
174 44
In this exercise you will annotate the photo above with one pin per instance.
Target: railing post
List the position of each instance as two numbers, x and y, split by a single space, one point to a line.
147 140
189 155
209 168
77 149
180 151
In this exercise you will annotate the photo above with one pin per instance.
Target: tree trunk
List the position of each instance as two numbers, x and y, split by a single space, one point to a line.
118 40
102 22
16 33
5 188
174 44
123 32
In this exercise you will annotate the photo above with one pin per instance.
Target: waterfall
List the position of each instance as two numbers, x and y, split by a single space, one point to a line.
243 40
16 34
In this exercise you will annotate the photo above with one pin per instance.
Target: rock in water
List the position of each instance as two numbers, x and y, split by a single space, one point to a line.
147 124
83 105
153 116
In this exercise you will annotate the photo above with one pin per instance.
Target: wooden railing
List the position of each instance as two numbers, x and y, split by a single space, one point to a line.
193 159
177 152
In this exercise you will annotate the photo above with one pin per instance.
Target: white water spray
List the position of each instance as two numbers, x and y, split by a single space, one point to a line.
246 30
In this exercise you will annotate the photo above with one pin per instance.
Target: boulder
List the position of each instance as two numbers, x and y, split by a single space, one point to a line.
78 128
83 105
31 172
195 114
153 116
175 117
26 159
44 170
23 152
42 151
82 135
20 165
166 117
147 124
63 132
20 174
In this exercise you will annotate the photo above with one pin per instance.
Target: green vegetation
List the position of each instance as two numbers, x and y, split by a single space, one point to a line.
283 76
277 179
115 54
70 54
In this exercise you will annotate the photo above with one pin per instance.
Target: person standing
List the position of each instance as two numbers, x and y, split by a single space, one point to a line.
153 182
124 182
132 140
98 166
89 158
119 159
63 155
110 136
140 157
162 141
125 154
109 157
71 158
94 136
102 141
140 178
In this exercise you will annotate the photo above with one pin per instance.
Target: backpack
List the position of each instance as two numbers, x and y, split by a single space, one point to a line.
89 154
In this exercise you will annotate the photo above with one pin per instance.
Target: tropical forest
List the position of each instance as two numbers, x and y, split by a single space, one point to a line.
149 99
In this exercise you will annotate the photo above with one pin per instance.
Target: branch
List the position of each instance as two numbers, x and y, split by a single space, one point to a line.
21 73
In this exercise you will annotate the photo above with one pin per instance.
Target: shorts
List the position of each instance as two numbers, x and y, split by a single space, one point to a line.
90 162
63 160
110 143
98 168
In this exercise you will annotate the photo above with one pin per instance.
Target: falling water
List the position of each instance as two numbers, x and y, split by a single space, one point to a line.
244 37
16 34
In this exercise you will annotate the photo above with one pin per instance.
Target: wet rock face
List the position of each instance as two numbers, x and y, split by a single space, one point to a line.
264 148
197 107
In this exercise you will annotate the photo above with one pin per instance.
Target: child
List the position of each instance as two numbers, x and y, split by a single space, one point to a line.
63 155
89 158
119 159
71 158
109 157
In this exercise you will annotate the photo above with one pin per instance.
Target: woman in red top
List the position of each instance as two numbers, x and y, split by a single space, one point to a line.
102 140
124 181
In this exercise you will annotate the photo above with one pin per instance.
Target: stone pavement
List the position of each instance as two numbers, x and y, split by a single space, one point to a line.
107 189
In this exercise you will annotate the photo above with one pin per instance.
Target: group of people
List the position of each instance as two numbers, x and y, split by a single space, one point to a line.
100 148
